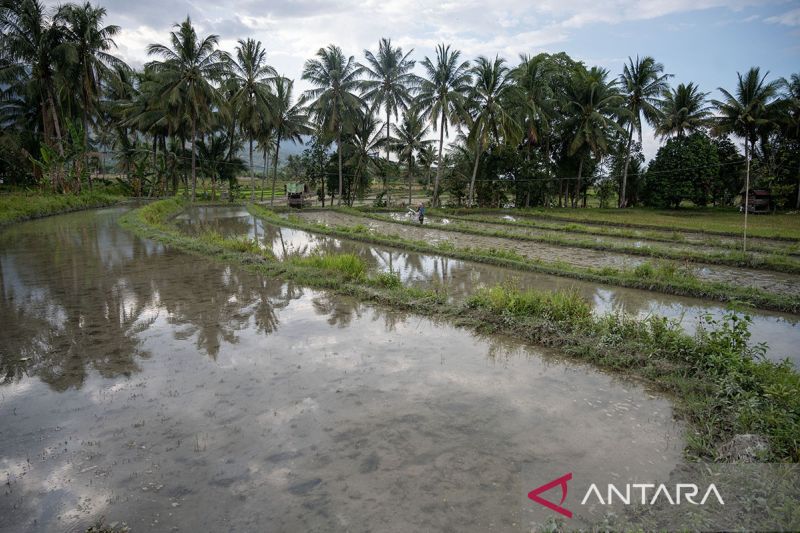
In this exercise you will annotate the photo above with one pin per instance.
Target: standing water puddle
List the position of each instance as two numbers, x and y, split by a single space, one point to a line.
781 331
209 398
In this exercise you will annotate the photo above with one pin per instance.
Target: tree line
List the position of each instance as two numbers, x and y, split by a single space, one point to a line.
544 131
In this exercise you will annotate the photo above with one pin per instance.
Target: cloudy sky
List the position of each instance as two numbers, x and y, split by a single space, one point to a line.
705 41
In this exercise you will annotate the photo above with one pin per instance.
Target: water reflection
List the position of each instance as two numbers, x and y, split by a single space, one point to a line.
780 331
77 290
68 302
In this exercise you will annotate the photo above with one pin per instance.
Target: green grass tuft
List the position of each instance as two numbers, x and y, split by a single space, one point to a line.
350 266
17 207
559 306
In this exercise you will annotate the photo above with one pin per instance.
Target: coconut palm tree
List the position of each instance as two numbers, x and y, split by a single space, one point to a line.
743 114
410 139
792 117
32 55
642 84
334 102
683 111
289 122
390 83
362 144
441 96
265 143
427 157
186 74
592 103
90 42
533 96
252 101
491 103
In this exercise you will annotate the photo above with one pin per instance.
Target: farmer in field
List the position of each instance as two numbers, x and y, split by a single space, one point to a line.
421 212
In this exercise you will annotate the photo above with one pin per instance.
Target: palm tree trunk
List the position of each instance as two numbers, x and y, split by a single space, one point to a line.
623 201
385 177
264 179
747 150
339 151
252 177
275 167
578 184
194 164
56 174
410 157
438 166
474 170
56 126
85 121
232 138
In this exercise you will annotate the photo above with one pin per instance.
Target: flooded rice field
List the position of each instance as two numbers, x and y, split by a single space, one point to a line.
179 394
781 331
689 244
676 236
770 281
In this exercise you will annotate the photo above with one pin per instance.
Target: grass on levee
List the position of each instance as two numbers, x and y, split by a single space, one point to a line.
721 385
19 206
725 221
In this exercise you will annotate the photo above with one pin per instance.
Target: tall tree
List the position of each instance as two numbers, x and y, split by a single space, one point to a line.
266 144
32 53
187 71
289 122
792 86
683 111
743 114
90 42
410 139
490 105
390 84
427 157
361 145
533 102
334 102
643 83
252 102
442 93
593 104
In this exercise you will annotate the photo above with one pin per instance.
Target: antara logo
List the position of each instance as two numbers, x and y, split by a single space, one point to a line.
683 492
562 481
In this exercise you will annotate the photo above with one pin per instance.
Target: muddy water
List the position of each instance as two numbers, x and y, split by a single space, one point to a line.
460 278
178 394
771 281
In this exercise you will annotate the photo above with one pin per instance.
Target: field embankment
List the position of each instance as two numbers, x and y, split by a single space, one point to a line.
16 207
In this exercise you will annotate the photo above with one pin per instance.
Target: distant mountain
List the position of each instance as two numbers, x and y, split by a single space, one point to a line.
287 148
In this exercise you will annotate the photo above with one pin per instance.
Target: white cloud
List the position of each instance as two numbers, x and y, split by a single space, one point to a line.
790 18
